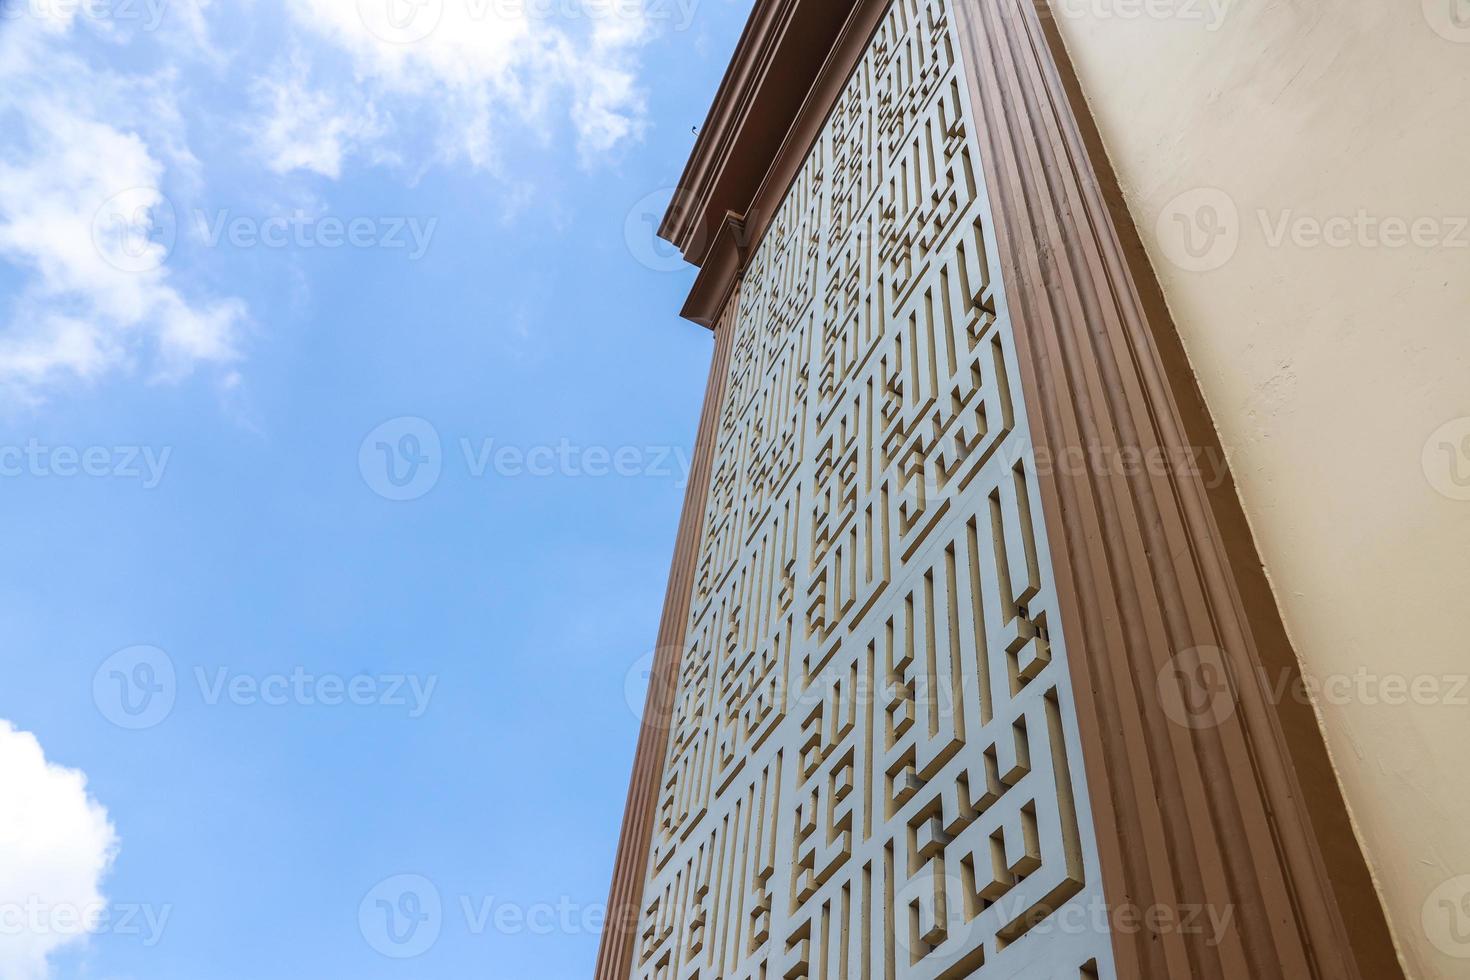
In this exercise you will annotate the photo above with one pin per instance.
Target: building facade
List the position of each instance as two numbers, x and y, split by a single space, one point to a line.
969 666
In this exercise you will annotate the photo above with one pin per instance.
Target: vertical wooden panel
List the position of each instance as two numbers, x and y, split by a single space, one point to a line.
626 894
1159 577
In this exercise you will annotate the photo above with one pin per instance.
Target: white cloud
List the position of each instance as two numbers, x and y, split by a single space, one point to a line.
84 216
89 156
56 845
309 129
609 107
469 64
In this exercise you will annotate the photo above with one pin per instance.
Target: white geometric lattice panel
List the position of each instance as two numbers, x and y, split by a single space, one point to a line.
873 767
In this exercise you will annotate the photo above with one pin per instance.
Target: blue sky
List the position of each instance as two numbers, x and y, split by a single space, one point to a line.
255 259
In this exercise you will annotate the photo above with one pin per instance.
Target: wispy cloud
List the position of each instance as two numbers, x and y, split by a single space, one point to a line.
305 128
97 174
84 217
470 66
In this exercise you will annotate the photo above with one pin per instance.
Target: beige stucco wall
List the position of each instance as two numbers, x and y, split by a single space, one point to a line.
1330 363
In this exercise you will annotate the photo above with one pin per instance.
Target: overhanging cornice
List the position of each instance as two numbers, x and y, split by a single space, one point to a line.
775 62
787 71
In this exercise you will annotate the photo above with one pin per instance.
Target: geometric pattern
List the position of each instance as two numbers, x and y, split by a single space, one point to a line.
873 763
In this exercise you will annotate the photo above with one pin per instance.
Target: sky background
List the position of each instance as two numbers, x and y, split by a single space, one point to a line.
207 413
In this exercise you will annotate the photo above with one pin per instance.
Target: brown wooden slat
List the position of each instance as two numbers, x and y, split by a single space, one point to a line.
1153 564
630 868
